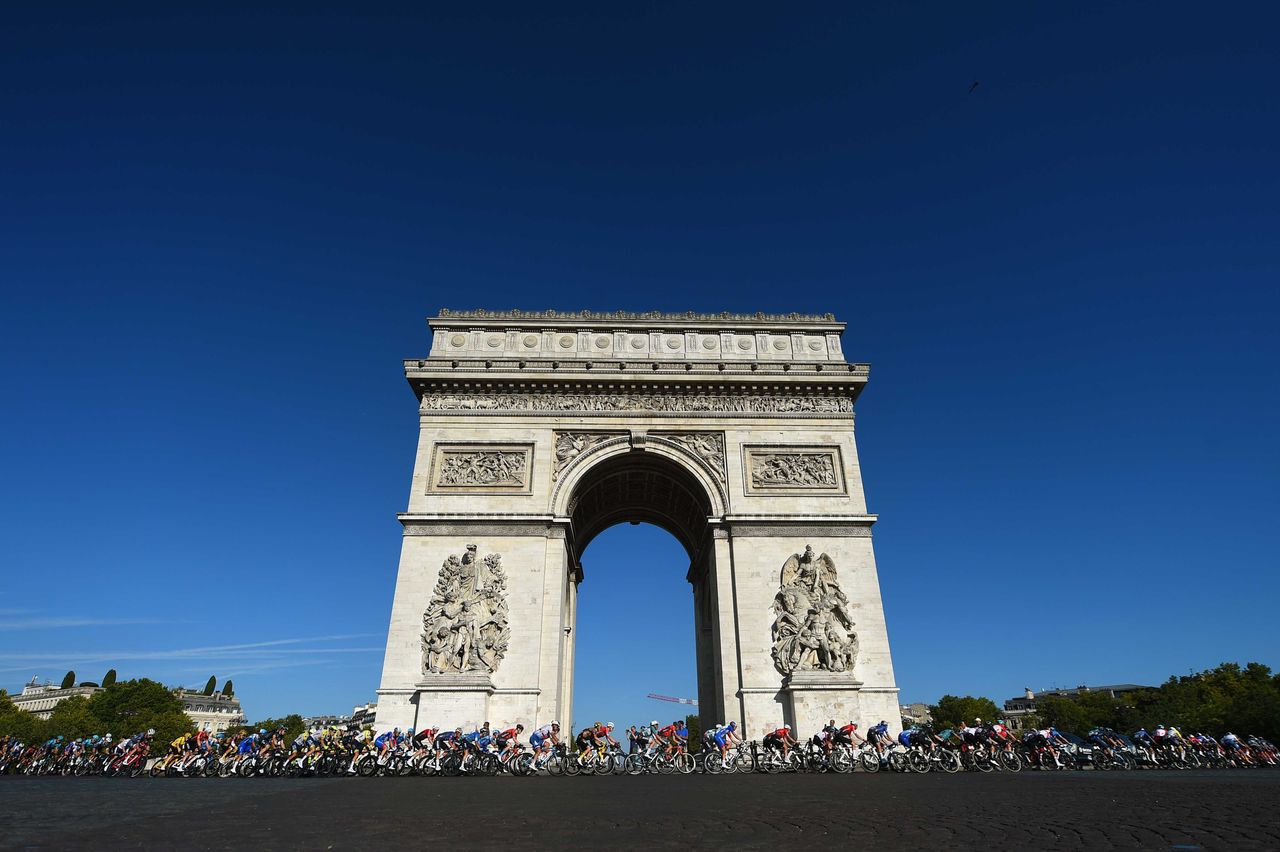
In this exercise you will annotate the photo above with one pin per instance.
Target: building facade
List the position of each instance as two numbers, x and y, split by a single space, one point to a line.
213 713
40 698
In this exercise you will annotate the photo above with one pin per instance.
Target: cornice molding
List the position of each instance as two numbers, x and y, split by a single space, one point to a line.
631 316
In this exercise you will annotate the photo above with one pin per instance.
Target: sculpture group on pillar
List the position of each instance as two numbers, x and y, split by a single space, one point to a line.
465 627
812 629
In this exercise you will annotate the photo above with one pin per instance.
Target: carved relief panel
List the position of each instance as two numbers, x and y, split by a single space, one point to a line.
480 468
792 470
570 445
813 625
708 446
464 628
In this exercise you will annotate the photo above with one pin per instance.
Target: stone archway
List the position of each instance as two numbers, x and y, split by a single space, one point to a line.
734 433
639 486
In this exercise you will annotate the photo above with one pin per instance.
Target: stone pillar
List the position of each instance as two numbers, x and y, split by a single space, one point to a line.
556 615
569 644
728 668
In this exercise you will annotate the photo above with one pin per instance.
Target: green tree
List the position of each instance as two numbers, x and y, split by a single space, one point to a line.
227 689
954 710
72 718
694 724
108 678
130 706
292 724
69 680
1243 699
19 723
209 685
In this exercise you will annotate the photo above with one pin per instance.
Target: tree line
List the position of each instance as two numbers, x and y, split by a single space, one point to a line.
122 709
1241 699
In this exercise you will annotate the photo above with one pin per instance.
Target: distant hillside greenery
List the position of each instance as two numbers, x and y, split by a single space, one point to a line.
122 709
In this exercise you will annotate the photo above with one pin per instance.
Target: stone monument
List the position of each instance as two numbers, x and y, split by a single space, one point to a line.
540 429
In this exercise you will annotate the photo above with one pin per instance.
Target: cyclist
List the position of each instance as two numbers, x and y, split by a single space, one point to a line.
781 738
386 742
644 735
848 735
724 737
446 741
1234 747
177 751
360 742
424 739
673 737
878 737
823 738
1175 739
545 737
508 740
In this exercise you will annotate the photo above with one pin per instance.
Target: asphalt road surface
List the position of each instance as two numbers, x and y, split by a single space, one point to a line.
1179 811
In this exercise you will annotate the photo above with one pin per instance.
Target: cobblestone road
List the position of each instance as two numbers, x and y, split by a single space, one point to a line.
1184 812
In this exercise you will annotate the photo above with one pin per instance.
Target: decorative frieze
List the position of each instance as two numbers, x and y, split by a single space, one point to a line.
792 470
637 403
482 468
812 628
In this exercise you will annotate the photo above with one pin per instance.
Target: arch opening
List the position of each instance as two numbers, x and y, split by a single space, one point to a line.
643 487
640 487
634 633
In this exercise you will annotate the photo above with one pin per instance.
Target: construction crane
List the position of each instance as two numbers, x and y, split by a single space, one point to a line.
656 697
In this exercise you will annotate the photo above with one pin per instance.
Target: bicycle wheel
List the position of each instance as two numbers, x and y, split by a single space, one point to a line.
683 763
919 762
1010 760
949 760
898 761
870 761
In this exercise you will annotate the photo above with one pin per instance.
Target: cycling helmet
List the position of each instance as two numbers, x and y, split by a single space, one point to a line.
852 724
977 721
654 722
882 722
519 727
151 732
786 727
410 731
609 726
556 724
262 731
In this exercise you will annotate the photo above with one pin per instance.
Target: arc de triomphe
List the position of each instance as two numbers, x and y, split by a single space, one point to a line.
733 432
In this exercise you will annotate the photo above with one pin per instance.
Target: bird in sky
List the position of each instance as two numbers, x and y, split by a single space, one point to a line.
974 86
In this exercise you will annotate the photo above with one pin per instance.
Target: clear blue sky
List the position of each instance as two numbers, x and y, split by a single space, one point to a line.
221 231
